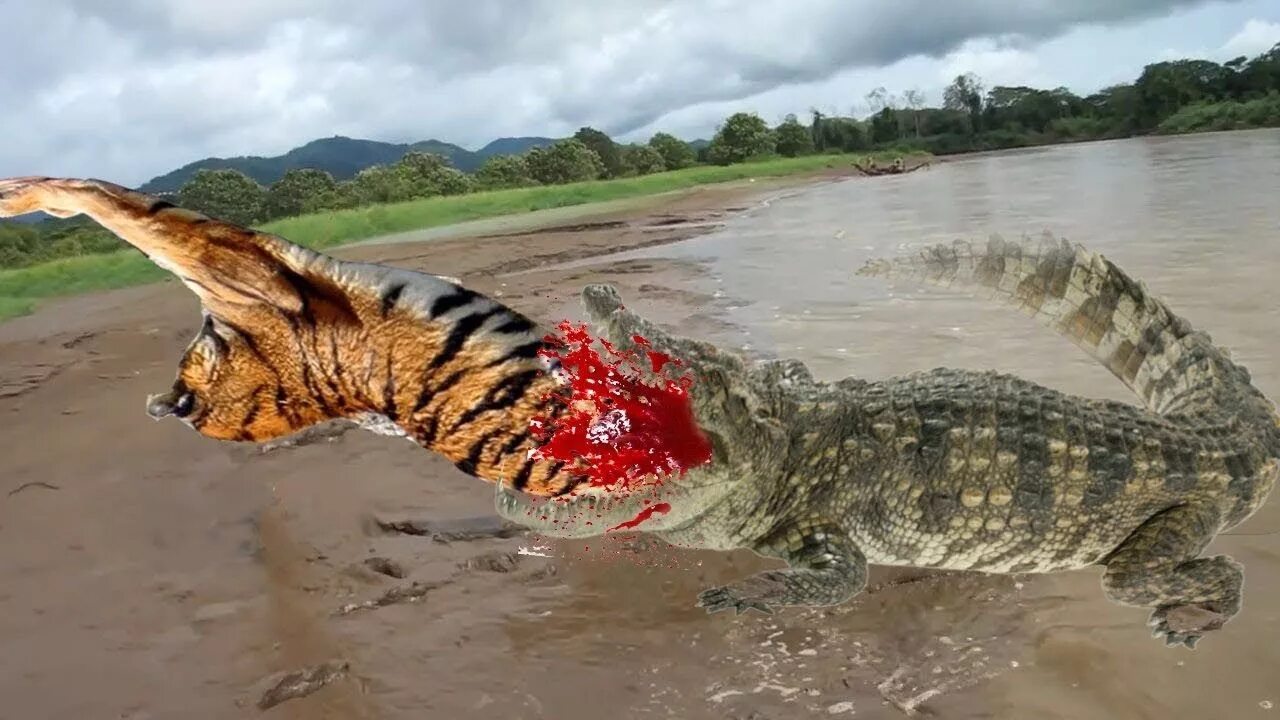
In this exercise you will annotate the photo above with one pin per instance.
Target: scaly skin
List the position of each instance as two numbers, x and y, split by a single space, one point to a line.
970 470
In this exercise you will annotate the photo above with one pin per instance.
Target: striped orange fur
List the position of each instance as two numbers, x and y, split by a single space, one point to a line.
292 337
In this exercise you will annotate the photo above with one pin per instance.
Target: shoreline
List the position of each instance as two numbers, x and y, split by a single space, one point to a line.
729 195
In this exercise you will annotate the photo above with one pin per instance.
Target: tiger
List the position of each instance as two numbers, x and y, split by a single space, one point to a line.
290 338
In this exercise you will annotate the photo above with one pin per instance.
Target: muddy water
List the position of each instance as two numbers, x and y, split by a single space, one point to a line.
1196 218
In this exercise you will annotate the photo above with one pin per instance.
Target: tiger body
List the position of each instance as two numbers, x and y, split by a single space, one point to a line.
292 337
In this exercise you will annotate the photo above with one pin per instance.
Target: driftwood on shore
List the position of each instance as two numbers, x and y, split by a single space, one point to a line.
897 167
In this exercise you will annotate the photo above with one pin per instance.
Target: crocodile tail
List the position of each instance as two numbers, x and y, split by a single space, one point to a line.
1087 298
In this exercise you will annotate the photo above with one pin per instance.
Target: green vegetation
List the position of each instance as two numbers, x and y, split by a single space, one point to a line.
20 288
420 185
1225 115
341 157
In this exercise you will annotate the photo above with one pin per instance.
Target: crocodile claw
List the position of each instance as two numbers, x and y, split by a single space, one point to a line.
726 598
1184 624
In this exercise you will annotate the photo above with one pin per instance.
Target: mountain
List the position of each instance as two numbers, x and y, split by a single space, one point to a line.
341 157
28 219
513 146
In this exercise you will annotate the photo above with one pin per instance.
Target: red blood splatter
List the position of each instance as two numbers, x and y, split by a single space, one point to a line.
645 514
617 429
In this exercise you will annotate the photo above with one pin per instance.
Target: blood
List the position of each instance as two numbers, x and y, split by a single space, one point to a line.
617 429
645 514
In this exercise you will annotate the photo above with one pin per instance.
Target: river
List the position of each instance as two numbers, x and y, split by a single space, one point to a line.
1196 218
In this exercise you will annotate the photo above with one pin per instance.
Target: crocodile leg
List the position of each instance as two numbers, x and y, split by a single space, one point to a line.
826 568
1157 567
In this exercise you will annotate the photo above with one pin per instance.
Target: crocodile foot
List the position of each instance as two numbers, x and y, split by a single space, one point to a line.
1185 624
758 592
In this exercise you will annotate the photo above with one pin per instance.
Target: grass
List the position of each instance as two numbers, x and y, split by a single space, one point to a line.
21 289
1224 115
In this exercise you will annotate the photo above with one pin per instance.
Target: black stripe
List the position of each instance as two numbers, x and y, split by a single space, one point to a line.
574 482
521 480
282 404
338 388
389 393
463 329
252 415
319 294
516 441
517 324
390 297
428 433
159 205
429 392
476 452
500 396
528 351
308 379
459 297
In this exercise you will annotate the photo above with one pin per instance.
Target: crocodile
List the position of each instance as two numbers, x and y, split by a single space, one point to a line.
964 470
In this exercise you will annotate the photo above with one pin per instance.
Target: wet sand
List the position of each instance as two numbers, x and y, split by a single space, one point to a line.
147 572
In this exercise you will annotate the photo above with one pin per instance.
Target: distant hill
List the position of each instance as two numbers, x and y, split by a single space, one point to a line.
28 219
341 157
513 146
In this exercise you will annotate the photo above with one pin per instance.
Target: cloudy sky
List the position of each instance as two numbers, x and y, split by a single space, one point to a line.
127 89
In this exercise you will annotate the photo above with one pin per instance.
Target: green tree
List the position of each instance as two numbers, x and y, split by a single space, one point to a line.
837 133
915 101
604 147
300 191
743 135
675 152
564 162
505 171
430 174
965 94
1025 108
1257 76
382 184
1166 87
228 195
884 126
19 245
346 195
792 138
642 160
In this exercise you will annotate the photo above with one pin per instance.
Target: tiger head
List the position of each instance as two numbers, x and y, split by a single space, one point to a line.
227 389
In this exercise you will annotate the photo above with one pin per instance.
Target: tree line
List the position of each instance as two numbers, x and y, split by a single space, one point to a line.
1168 97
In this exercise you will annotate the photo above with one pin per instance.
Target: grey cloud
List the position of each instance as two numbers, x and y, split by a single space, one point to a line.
131 88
